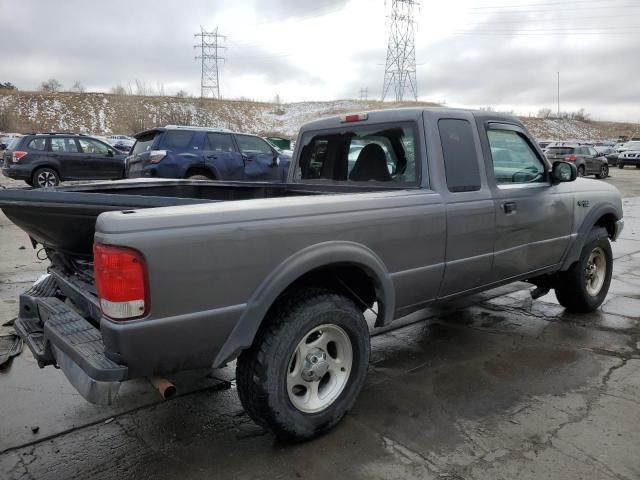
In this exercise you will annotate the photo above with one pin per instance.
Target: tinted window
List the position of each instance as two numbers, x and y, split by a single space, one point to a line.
89 145
219 142
460 158
37 143
177 139
514 161
253 145
143 143
66 145
560 150
359 154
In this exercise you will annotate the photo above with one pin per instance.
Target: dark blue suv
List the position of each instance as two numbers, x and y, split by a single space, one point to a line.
205 153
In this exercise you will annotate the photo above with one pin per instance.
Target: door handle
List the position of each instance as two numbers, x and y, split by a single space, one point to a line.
509 207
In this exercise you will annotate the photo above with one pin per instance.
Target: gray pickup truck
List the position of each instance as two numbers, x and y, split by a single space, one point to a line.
387 211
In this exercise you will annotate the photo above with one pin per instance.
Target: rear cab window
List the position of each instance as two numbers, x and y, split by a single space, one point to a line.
382 155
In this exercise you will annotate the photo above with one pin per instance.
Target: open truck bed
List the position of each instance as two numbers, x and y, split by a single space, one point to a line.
63 218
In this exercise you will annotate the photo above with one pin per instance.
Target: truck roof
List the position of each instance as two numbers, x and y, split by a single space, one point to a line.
399 114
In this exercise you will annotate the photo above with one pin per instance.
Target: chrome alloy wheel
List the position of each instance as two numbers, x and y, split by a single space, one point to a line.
319 368
46 179
596 271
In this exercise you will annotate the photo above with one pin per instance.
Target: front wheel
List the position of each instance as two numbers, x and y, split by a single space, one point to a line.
620 165
585 285
604 171
307 365
581 171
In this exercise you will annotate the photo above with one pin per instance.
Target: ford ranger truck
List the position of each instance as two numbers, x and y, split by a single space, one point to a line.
385 211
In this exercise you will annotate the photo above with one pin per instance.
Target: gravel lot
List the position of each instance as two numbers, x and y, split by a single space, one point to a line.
491 387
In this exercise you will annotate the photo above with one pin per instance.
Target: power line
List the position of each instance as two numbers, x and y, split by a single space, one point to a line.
545 4
209 77
546 9
400 67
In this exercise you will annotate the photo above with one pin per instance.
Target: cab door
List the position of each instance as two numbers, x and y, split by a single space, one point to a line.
469 205
100 161
222 157
67 156
533 216
260 160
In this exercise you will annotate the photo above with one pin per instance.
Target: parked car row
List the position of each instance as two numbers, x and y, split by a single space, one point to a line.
594 155
46 159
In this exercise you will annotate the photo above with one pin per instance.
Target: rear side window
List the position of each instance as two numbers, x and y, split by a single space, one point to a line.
177 139
66 145
359 154
219 142
13 144
460 157
89 145
253 145
37 143
143 143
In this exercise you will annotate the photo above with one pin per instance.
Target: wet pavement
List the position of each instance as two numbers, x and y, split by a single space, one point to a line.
494 386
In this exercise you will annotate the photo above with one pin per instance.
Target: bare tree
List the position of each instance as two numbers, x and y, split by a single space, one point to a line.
182 94
51 85
544 113
118 90
77 87
7 86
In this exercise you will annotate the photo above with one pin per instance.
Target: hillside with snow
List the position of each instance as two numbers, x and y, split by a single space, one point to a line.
103 114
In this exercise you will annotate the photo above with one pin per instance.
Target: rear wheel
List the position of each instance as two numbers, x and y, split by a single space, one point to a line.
307 365
604 171
581 171
45 177
585 285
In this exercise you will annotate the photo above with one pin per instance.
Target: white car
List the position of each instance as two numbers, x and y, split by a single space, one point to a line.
629 154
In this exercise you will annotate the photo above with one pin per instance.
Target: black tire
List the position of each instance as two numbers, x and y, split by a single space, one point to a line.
604 171
637 166
29 182
571 290
581 171
45 177
620 165
262 370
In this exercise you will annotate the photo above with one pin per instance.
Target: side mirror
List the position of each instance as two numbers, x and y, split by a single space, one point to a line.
563 172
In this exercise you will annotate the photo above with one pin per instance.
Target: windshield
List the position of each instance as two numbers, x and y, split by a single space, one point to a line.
632 146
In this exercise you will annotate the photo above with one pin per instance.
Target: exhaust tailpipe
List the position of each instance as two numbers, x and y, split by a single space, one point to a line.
166 389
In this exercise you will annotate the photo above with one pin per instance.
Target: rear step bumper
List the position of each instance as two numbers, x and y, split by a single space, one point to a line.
57 335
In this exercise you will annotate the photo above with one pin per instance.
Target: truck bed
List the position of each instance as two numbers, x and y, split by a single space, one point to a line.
63 218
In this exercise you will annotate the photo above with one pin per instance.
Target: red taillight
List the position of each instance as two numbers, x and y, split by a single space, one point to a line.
570 158
17 155
355 117
120 282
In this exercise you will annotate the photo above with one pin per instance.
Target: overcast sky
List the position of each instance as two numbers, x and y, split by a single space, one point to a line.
468 52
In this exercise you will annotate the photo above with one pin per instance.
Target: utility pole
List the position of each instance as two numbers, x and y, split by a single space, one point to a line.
558 94
209 55
364 94
400 67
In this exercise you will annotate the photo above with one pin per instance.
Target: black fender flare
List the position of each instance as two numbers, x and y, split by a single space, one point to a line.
575 249
302 262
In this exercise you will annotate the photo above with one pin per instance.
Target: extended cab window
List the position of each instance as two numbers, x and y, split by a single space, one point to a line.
359 154
514 161
459 152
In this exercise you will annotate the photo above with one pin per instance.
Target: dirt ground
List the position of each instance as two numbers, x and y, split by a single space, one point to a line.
495 386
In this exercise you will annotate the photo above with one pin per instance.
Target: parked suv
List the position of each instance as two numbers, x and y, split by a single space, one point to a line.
205 153
586 159
629 154
46 159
